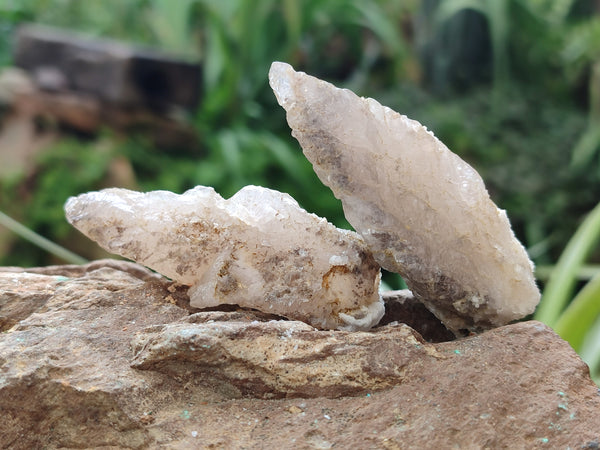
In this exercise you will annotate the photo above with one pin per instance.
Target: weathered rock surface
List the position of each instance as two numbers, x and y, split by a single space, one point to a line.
110 354
258 249
423 211
284 358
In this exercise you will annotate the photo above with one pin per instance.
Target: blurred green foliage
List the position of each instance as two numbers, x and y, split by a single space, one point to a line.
512 86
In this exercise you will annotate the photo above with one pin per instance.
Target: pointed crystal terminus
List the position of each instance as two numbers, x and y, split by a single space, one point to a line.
423 211
258 249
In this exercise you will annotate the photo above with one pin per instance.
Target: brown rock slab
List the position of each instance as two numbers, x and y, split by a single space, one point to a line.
281 358
110 355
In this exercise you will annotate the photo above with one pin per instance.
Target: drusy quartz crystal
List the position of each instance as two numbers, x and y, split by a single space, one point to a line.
423 211
258 249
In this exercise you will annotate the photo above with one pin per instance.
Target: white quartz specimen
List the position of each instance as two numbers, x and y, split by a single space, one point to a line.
423 211
258 249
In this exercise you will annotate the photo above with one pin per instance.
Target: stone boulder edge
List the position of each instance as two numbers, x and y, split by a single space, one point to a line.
111 355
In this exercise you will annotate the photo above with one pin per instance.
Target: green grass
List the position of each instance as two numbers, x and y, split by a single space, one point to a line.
575 317
559 289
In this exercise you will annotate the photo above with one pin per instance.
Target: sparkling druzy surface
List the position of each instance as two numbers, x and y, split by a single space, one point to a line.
258 249
423 211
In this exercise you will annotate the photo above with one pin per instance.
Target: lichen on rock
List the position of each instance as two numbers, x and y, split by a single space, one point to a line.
423 211
258 249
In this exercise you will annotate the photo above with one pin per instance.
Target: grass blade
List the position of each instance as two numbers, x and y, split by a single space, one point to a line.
577 320
562 281
590 351
40 241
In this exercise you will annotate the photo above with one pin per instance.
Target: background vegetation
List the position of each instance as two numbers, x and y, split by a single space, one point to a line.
512 86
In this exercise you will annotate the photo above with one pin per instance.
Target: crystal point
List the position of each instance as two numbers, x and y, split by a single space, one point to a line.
258 249
423 211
